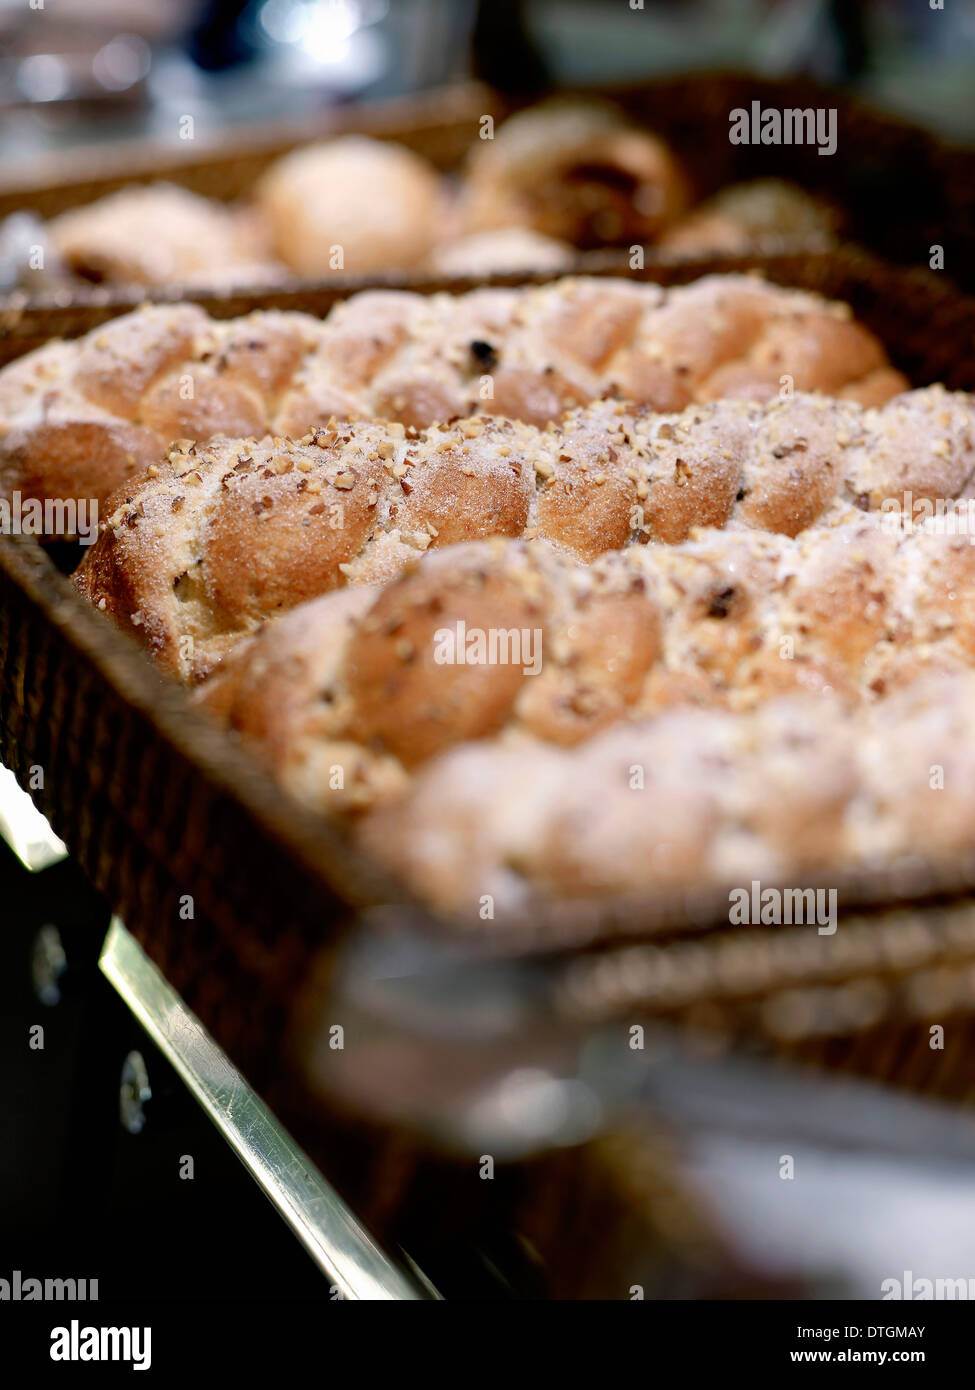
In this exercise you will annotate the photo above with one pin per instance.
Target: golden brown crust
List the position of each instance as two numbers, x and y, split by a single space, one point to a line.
807 771
46 460
220 538
407 702
117 363
279 690
406 685
527 354
727 621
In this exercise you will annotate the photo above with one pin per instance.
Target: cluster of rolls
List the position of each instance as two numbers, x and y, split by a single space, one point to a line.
78 419
644 613
507 636
560 177
740 705
557 710
793 789
218 538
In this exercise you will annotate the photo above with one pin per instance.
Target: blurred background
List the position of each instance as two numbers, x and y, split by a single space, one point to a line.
108 70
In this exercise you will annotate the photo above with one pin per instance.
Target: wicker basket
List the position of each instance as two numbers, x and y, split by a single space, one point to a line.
243 899
158 805
897 188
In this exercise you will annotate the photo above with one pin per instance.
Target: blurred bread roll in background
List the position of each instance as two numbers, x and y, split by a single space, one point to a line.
500 252
748 215
160 234
577 172
380 202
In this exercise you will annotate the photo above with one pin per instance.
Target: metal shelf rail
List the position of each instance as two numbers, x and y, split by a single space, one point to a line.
342 1248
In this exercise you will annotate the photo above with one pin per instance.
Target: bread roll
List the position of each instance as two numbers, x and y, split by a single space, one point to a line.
577 172
765 213
738 706
78 419
218 538
724 620
162 235
502 252
352 204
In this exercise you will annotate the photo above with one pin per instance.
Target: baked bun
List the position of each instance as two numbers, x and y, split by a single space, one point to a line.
162 235
693 800
726 620
502 252
577 172
359 502
765 213
378 204
77 419
744 674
